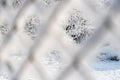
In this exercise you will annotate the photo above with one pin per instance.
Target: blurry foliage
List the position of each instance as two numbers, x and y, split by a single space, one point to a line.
114 58
3 29
50 2
108 53
32 26
17 3
77 27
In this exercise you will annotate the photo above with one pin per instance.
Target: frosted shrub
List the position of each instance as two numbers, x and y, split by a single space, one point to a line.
77 27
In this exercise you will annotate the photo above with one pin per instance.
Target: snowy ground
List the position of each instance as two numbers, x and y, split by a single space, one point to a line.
108 75
105 68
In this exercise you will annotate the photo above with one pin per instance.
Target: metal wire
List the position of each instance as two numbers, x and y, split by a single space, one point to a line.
56 8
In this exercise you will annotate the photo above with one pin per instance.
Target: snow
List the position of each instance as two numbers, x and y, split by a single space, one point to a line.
108 75
104 68
107 65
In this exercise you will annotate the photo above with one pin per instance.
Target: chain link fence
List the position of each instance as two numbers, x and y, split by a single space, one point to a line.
52 39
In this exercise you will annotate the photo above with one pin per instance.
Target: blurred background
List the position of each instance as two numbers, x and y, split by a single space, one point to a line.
59 40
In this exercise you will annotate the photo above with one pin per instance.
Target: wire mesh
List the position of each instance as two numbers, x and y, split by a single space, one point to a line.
51 39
